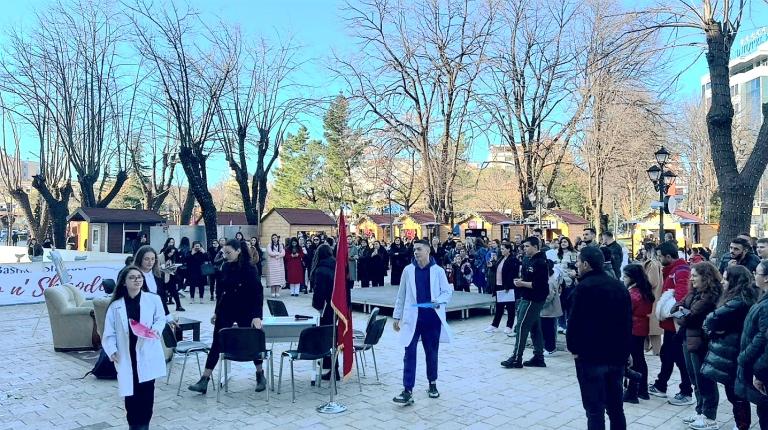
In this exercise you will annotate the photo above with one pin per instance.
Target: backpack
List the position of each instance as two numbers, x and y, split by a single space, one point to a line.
104 367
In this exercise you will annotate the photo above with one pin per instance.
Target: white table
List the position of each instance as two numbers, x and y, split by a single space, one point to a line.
284 329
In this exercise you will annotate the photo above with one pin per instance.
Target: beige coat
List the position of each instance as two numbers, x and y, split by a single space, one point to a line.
653 272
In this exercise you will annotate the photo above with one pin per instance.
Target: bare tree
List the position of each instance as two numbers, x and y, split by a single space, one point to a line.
191 81
534 93
154 159
720 23
256 109
416 76
78 44
29 85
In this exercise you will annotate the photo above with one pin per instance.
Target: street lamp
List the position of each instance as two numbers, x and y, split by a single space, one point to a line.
539 199
662 179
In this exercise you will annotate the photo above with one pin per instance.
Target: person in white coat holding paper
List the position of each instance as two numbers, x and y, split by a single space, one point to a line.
138 360
419 312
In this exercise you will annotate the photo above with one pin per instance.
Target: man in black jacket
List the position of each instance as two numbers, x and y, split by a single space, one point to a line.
533 289
599 336
617 254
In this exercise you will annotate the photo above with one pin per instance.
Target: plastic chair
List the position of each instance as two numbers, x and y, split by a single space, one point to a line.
241 344
315 343
277 308
372 338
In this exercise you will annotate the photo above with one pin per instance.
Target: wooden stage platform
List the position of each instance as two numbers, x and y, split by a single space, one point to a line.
384 297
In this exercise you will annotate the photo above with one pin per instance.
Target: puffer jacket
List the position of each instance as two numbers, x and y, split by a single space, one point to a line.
753 350
723 328
700 305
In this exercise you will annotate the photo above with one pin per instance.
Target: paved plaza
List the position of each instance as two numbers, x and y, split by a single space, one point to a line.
40 389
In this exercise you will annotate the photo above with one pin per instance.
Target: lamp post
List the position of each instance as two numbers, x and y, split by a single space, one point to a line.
661 179
539 199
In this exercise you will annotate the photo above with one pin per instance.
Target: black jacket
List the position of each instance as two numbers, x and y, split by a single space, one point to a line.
750 261
322 283
617 255
536 270
723 328
242 297
753 356
509 272
600 325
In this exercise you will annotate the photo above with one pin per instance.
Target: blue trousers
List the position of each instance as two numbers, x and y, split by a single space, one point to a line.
428 327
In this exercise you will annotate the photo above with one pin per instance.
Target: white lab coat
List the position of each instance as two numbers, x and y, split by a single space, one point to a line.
407 313
149 353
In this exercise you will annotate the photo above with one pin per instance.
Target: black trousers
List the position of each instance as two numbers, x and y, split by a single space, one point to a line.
671 355
510 307
601 392
138 407
213 356
637 352
549 333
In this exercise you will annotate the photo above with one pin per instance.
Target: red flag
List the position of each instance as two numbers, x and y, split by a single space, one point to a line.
339 300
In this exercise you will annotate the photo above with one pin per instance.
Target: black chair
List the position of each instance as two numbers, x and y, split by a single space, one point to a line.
185 348
372 338
315 343
241 344
359 334
277 308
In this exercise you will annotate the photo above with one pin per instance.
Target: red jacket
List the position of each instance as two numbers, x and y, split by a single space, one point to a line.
641 310
676 276
294 269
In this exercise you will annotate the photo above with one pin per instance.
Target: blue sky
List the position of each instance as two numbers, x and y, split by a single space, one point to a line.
318 25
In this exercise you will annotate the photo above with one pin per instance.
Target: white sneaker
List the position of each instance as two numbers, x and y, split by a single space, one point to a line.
550 353
692 418
490 329
507 331
561 330
704 423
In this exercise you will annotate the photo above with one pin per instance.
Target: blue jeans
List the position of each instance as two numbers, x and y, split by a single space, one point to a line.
428 327
601 391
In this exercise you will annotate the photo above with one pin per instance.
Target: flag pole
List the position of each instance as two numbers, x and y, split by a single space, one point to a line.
331 407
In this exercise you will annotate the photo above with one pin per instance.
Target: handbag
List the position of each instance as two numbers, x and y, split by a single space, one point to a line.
665 304
207 269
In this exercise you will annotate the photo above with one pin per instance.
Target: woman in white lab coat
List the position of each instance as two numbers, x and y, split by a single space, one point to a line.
138 360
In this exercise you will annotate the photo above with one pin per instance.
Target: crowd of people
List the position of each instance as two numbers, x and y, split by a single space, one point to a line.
707 319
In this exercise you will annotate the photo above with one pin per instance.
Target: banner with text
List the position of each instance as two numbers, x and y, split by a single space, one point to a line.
26 282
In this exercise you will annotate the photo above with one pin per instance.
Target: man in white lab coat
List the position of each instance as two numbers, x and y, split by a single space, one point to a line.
420 313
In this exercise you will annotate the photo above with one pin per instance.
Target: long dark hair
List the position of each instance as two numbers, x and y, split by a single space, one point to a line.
120 289
711 277
184 247
166 244
741 283
560 249
272 242
245 257
636 274
139 257
323 252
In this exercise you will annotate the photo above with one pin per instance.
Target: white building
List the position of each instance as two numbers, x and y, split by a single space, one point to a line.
749 90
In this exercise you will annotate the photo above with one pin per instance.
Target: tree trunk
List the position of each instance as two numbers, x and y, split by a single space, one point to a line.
187 208
38 228
58 208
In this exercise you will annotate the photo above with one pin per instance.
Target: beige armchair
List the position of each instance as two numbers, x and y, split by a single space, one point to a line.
72 323
100 306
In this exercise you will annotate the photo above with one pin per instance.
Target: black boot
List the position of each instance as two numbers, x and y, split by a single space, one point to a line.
261 381
200 386
630 394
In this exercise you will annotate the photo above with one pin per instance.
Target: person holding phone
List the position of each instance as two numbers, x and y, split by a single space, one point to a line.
138 361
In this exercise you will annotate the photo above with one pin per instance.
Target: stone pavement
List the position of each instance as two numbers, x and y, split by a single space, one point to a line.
39 388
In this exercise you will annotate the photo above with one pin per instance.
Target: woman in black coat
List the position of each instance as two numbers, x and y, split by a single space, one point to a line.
752 373
241 303
364 266
195 278
723 328
379 264
398 255
322 275
510 268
